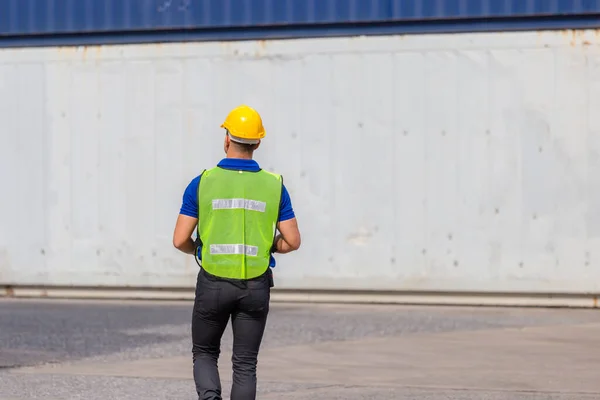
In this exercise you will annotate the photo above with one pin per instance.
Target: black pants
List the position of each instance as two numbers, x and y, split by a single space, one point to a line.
247 302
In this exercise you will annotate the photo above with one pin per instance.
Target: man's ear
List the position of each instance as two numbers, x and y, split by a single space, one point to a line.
226 143
257 145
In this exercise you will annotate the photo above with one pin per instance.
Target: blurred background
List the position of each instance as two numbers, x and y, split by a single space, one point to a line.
429 146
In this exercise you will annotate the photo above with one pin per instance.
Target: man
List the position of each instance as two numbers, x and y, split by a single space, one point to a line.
235 209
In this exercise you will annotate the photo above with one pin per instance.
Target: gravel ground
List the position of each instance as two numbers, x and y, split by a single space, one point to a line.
39 332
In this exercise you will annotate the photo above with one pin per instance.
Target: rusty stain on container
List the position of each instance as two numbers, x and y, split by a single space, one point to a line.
156 46
93 52
10 292
225 45
261 48
576 37
595 298
571 35
66 50
565 32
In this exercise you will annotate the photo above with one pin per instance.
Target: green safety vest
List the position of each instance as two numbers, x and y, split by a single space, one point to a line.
237 217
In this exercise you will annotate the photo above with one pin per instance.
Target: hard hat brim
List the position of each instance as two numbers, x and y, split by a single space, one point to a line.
242 140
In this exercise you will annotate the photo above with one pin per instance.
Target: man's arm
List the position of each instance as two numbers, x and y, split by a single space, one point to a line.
188 219
182 236
288 239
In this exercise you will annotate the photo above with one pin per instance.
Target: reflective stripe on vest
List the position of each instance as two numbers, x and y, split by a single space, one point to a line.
237 216
229 204
234 249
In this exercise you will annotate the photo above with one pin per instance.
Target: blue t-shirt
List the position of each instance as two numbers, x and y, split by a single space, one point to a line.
189 205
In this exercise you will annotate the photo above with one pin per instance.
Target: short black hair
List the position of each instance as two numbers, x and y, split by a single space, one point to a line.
244 147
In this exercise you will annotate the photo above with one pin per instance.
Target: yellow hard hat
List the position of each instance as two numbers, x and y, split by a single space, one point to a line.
244 125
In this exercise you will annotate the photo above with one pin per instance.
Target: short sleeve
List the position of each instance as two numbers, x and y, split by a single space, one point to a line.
189 205
286 211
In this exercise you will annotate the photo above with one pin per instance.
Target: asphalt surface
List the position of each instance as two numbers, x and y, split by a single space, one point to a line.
34 333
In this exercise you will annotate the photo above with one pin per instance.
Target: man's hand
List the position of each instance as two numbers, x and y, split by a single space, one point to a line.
182 236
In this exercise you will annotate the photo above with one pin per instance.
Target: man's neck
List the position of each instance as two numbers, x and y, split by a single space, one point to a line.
235 154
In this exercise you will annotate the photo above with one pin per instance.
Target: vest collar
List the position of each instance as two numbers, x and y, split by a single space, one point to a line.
239 164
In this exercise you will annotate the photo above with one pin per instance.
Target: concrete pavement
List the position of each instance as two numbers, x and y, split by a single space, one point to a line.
327 352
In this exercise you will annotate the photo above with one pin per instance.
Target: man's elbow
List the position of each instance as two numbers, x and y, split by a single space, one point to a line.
178 243
295 244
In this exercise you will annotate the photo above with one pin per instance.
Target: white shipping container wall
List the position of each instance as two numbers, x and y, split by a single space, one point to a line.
464 162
